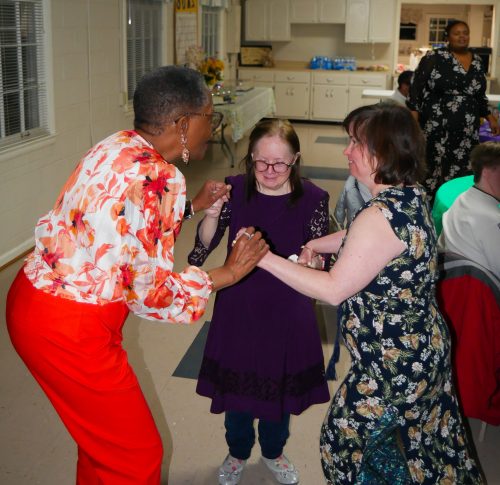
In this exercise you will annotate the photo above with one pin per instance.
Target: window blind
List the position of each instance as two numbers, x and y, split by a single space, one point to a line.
143 40
23 89
210 30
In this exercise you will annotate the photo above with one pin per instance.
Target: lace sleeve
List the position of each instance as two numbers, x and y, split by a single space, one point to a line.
200 252
319 225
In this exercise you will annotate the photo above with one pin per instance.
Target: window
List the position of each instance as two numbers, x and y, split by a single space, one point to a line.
143 40
210 30
408 31
437 26
23 89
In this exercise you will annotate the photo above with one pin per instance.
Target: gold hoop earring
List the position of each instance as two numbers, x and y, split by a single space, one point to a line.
185 151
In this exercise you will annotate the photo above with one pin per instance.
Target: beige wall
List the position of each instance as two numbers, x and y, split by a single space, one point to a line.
87 78
310 40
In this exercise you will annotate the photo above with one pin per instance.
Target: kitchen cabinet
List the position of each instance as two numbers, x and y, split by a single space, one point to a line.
358 83
334 95
257 76
291 92
369 21
332 11
315 95
267 20
317 11
330 96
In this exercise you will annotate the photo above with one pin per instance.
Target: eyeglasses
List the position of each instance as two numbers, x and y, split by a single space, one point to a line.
215 118
278 166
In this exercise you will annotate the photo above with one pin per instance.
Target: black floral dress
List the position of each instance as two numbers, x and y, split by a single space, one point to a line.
395 418
450 102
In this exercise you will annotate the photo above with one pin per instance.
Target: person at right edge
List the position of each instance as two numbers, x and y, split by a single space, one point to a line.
447 97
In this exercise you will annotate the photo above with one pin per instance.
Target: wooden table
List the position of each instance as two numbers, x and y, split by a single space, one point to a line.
242 115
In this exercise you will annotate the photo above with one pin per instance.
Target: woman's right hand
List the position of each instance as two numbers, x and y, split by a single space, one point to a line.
247 251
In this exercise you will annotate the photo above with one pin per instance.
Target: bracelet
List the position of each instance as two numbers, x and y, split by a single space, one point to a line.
188 210
211 283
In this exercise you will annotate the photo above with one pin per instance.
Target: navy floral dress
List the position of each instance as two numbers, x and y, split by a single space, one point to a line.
395 418
450 102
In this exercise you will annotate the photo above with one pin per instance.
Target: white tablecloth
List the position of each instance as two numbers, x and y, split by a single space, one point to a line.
248 108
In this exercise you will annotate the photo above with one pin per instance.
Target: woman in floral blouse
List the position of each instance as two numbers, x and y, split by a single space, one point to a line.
395 418
107 247
447 96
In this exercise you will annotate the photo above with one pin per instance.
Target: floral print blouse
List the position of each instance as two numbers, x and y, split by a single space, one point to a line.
111 235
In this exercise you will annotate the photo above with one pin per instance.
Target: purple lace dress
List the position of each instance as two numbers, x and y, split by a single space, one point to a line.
263 353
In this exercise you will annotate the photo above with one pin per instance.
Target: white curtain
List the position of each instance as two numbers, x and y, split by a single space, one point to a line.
411 15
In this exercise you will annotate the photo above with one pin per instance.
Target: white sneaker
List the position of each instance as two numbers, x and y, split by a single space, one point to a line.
282 469
230 471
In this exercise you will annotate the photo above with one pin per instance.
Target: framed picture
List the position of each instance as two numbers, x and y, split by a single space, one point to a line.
254 55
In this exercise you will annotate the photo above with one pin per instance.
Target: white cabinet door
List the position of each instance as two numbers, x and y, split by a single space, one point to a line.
279 20
332 11
303 11
357 20
329 102
292 100
356 98
381 20
370 21
256 20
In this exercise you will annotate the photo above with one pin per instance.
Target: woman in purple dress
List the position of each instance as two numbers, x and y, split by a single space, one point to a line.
263 358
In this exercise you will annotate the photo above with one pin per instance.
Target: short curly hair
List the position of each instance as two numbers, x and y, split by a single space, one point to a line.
164 94
392 136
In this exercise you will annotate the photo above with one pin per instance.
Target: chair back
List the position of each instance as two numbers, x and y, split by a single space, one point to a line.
469 299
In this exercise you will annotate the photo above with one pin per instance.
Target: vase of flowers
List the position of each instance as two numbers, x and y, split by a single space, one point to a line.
211 67
212 70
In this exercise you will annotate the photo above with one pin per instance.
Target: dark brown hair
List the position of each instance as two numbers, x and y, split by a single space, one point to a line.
268 127
484 155
392 139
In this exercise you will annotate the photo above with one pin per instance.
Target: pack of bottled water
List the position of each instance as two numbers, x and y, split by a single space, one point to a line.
335 63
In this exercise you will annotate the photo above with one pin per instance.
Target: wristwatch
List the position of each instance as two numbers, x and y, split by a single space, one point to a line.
188 210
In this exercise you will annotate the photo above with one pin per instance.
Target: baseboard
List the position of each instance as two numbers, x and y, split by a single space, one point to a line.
14 254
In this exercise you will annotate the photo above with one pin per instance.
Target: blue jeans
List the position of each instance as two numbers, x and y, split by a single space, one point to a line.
240 435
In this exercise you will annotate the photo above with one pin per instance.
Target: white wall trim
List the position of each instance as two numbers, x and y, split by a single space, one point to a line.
14 253
23 147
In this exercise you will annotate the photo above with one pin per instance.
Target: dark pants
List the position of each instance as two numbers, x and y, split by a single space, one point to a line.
240 435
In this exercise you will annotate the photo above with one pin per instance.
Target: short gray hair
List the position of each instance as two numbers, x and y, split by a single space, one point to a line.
164 94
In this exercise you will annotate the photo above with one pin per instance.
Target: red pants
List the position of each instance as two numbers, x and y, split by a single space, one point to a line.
74 351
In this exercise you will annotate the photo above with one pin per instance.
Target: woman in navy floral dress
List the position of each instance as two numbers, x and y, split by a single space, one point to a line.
395 419
447 96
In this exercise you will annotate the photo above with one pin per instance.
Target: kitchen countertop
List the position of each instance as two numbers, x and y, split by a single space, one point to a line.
387 93
304 66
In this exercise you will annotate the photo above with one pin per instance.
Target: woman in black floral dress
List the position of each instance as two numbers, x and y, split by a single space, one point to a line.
447 96
395 419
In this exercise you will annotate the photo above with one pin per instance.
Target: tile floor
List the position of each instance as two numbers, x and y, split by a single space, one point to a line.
36 449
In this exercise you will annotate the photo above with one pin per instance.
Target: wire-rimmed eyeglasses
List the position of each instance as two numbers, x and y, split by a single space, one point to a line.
278 166
215 118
